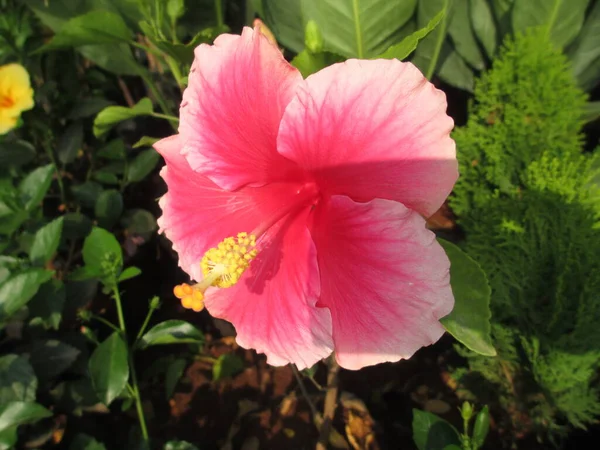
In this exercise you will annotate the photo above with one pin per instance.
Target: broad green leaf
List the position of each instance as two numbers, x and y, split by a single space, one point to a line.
87 193
87 107
34 186
171 332
47 305
562 19
8 438
17 379
109 117
16 153
76 226
106 177
49 358
408 45
102 252
17 290
117 59
109 207
455 71
130 272
286 21
428 52
462 35
70 143
92 28
592 111
431 432
483 25
179 445
19 413
226 366
174 372
359 28
45 242
469 321
85 442
113 150
585 49
142 165
109 368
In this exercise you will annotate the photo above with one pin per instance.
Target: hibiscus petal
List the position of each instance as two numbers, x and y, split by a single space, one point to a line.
373 129
273 305
230 113
384 277
198 214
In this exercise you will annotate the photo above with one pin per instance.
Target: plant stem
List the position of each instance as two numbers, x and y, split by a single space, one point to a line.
61 186
330 403
311 405
166 117
157 96
117 297
219 13
145 324
105 322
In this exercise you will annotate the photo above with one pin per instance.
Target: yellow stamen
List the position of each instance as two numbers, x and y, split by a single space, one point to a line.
192 297
223 265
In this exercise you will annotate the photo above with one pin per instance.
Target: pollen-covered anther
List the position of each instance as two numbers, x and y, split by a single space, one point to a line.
191 297
227 262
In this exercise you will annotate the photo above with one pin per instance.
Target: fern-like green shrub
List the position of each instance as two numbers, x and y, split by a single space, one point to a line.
530 207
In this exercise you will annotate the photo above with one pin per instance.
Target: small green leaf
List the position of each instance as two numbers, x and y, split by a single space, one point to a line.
481 428
19 413
431 432
85 442
34 186
17 290
106 177
93 28
483 25
139 222
113 150
308 63
227 365
87 193
408 45
146 141
70 143
142 165
171 332
45 242
50 358
109 117
16 153
469 321
130 272
87 107
76 225
117 59
101 248
47 305
462 35
109 368
175 9
179 445
455 71
109 207
18 382
174 372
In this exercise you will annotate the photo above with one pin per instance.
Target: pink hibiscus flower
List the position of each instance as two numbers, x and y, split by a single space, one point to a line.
298 205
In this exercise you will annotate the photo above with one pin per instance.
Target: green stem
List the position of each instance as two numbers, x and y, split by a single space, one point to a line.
157 95
219 13
145 324
357 30
61 186
105 322
166 117
117 297
146 48
174 67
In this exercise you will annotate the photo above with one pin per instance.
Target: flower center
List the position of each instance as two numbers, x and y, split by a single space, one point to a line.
6 102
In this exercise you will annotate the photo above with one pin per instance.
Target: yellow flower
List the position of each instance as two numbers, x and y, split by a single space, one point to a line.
16 95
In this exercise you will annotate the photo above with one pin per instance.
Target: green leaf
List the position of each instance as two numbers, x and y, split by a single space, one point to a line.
585 50
16 153
592 111
19 413
106 177
359 28
87 193
117 59
308 63
47 305
481 428
76 226
227 365
142 165
130 272
146 141
87 107
171 332
113 150
17 290
562 19
92 28
455 71
428 52
34 186
431 432
483 24
462 35
49 358
17 380
70 143
409 43
174 372
109 368
285 19
45 242
109 207
85 442
179 445
102 253
469 321
109 117
139 222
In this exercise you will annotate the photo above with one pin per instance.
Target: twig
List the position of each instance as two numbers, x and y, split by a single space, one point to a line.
330 403
126 92
311 405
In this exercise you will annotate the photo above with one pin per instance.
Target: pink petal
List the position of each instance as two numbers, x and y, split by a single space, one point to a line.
373 129
273 305
230 113
198 214
384 277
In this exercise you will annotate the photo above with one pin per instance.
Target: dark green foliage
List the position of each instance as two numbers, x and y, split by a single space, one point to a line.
531 210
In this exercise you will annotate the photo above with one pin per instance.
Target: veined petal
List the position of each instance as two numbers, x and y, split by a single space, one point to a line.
384 277
198 214
373 129
230 113
273 305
